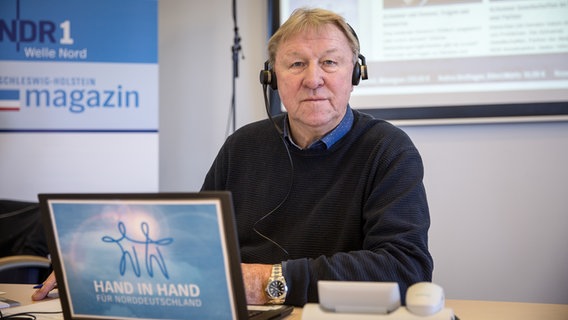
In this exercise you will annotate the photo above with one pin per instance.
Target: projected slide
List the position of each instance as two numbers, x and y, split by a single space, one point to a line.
435 54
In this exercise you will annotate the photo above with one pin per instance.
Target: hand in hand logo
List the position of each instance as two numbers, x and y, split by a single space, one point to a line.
152 253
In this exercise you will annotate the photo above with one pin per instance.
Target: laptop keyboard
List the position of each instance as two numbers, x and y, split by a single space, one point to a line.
253 313
269 311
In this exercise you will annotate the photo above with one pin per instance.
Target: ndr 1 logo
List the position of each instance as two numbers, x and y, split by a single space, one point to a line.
28 31
32 34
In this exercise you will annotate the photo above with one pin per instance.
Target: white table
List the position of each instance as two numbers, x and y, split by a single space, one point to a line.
464 309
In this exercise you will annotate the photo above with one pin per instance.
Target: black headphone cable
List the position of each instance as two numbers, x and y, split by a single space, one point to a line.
281 135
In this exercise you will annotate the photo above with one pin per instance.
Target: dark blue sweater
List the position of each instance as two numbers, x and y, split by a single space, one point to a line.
357 211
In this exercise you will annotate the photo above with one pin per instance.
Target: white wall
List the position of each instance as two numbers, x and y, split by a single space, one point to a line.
32 163
499 208
497 192
196 71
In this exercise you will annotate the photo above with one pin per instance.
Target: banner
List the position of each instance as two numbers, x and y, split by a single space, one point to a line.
78 96
78 65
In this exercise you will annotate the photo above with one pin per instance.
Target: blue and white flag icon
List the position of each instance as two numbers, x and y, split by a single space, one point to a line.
9 100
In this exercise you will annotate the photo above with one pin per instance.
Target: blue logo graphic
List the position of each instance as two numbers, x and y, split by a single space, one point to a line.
130 255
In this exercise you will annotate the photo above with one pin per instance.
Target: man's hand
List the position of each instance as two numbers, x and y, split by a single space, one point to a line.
255 277
49 284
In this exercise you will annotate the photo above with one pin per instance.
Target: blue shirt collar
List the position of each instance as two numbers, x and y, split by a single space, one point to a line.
329 139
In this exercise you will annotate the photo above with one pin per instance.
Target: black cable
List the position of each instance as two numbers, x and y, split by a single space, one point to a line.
267 107
26 315
281 135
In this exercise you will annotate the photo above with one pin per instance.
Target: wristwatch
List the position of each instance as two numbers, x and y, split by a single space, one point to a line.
276 289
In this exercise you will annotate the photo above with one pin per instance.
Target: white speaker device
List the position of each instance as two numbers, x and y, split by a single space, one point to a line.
359 297
350 300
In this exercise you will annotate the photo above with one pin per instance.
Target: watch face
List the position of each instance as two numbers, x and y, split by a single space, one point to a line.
276 288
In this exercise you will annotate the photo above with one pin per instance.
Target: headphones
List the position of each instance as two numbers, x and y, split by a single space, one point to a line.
268 77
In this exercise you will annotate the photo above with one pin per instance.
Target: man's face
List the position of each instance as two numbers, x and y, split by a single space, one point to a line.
314 71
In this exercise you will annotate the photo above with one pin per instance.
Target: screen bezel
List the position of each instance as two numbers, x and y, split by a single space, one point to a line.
226 222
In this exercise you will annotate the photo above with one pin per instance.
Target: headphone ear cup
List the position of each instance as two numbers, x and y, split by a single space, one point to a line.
356 77
264 77
268 77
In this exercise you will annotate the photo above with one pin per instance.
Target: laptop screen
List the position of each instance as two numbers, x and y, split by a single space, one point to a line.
145 256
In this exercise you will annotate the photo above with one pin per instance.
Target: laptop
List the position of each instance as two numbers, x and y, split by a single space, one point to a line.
148 256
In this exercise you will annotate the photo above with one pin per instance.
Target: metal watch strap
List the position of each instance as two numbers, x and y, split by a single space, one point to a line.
276 271
276 276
